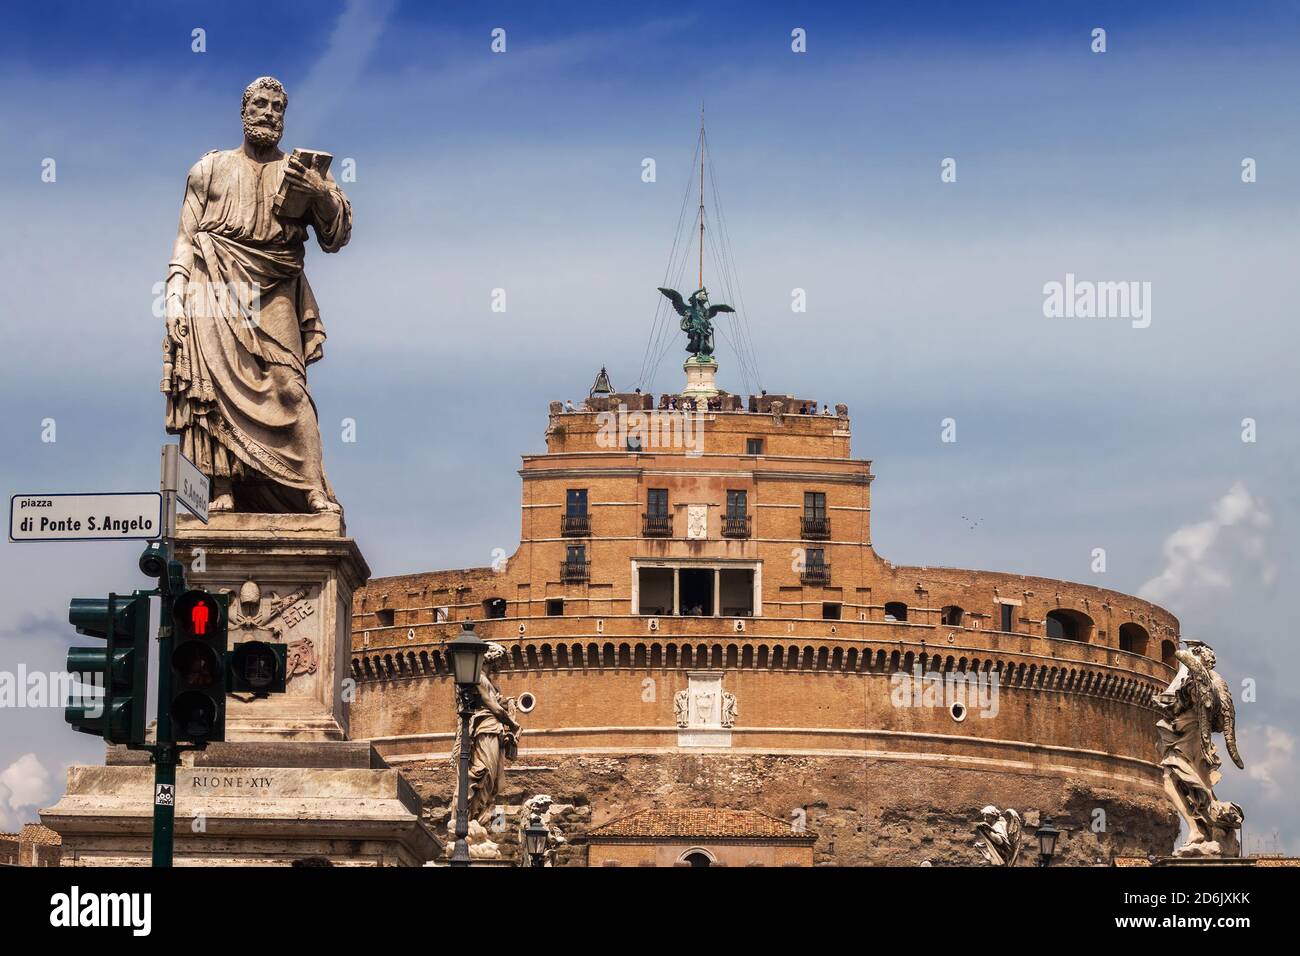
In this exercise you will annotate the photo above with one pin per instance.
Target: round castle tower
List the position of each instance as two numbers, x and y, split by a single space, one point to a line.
697 608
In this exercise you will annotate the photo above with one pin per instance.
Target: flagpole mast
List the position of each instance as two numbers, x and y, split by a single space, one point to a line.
701 285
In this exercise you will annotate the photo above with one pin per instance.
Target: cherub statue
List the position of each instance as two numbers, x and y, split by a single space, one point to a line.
1000 832
1196 705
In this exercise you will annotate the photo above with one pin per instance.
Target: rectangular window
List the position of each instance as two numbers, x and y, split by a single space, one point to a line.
1008 617
815 558
555 607
575 553
814 504
575 502
656 504
830 611
753 446
737 504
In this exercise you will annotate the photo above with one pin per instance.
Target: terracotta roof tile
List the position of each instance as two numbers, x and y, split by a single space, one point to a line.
699 823
38 833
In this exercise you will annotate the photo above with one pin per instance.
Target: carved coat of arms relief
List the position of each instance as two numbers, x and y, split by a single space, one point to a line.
272 618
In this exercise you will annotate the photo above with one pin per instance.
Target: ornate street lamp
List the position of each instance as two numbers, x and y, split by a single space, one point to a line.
1047 835
466 653
535 837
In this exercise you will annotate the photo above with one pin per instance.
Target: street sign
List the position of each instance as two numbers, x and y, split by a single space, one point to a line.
192 487
96 517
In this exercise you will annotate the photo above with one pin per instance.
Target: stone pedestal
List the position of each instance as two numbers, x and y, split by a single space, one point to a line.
701 377
248 804
286 784
291 579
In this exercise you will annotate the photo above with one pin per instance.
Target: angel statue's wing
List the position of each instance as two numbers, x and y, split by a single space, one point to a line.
1227 718
1014 828
715 309
675 298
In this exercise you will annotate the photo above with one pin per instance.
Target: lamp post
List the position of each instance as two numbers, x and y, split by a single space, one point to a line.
535 837
466 653
1047 835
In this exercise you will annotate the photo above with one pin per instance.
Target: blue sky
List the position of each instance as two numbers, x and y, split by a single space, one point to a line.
522 171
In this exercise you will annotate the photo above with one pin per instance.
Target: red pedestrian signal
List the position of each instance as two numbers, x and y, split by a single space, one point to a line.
198 667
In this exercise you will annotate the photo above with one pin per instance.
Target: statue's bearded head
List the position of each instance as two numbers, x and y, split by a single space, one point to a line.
263 112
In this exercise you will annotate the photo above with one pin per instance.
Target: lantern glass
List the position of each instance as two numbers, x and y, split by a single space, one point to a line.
1047 835
467 652
535 837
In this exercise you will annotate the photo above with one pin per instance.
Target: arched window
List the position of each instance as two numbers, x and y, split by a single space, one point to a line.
1133 638
1067 625
895 611
697 857
952 615
1167 649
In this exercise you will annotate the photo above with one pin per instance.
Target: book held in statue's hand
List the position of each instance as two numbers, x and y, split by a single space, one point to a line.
291 202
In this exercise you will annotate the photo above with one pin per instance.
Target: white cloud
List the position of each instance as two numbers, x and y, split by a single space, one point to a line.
24 785
1272 762
1202 555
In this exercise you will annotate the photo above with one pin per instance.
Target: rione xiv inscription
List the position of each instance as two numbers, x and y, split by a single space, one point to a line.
242 323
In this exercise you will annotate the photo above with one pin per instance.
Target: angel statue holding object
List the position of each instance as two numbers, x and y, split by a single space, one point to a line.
1193 708
1000 834
697 320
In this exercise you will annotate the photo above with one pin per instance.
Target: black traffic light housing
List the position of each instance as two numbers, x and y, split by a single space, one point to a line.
257 668
198 671
122 666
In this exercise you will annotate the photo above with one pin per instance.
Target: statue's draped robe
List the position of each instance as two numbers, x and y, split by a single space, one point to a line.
1186 755
491 742
238 395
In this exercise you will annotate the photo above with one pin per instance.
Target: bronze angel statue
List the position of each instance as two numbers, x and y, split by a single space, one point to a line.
999 836
697 319
1195 706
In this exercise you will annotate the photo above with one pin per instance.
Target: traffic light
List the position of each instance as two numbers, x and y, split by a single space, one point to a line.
257 668
121 667
198 672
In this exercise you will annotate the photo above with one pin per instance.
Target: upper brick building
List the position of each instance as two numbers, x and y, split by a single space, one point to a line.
695 594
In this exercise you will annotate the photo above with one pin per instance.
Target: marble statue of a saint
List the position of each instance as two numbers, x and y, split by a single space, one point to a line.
999 833
493 738
1195 706
242 323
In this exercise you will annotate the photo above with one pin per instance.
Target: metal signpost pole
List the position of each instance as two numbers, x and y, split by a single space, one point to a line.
164 753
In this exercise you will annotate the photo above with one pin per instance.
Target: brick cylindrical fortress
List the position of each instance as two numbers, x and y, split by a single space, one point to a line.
698 611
